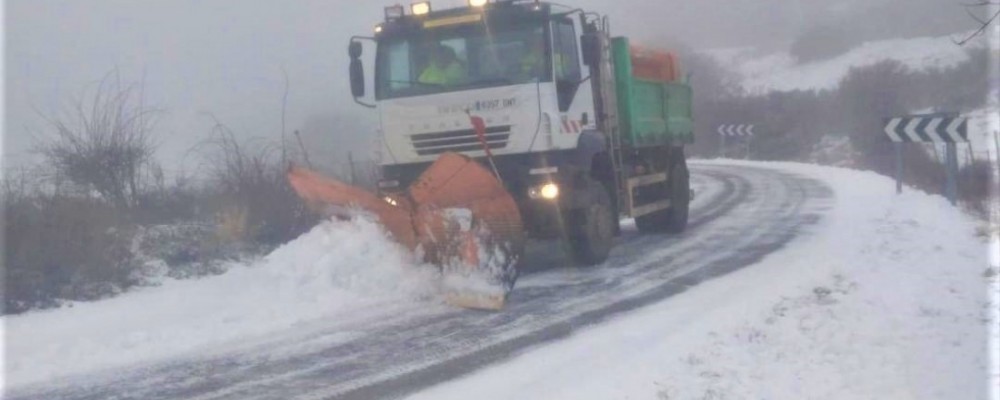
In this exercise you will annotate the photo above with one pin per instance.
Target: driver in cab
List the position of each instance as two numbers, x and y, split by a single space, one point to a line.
444 68
533 63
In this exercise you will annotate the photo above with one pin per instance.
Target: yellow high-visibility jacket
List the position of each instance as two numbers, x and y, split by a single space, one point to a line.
451 75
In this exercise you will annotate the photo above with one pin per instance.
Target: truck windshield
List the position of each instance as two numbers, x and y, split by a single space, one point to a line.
448 60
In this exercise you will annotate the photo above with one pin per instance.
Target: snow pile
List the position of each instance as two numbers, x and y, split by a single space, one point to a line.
337 270
761 73
887 298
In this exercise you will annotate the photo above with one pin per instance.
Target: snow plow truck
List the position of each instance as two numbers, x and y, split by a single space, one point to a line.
505 121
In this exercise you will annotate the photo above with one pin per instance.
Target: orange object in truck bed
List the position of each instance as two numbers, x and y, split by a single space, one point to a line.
654 65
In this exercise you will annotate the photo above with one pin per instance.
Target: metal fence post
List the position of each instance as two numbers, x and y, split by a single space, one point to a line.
898 147
951 188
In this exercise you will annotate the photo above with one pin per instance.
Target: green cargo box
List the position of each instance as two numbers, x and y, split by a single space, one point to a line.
651 113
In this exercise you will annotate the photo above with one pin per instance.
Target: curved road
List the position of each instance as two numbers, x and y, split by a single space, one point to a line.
741 214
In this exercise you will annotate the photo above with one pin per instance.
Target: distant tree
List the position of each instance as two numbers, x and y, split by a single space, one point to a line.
869 95
105 143
984 24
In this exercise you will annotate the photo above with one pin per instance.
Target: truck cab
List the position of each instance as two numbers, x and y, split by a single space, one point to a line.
515 64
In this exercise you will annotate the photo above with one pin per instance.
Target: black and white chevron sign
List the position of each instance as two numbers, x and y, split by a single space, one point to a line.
928 129
735 130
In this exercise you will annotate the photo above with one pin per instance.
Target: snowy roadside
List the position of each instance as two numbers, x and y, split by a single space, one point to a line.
340 271
889 297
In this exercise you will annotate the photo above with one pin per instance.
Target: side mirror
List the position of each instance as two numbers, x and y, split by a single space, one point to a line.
591 46
357 77
354 50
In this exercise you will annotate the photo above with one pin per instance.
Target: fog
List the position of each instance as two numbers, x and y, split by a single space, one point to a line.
226 57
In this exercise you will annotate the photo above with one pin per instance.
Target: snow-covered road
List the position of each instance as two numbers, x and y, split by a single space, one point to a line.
399 345
889 297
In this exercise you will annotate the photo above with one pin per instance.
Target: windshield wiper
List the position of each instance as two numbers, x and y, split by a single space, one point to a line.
418 83
492 81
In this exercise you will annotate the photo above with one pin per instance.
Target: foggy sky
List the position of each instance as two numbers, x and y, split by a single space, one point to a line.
226 57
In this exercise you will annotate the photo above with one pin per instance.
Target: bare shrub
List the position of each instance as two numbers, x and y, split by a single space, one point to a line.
105 143
255 202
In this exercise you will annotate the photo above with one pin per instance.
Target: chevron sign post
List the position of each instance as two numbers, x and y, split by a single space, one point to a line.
949 129
736 131
928 129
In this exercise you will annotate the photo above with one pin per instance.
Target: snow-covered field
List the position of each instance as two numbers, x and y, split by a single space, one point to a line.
889 298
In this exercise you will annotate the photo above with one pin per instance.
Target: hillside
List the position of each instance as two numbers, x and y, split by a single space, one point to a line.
761 72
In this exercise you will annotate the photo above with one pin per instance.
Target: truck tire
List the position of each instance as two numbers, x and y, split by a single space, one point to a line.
675 218
680 198
591 233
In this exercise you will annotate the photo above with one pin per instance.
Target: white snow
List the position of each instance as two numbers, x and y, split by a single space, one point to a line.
761 73
887 298
336 271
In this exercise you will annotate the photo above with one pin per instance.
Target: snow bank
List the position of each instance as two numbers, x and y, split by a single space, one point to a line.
336 271
886 298
761 73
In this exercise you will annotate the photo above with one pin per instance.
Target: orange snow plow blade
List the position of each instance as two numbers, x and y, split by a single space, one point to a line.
457 214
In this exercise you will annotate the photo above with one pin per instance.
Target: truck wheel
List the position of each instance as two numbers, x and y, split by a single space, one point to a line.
675 218
592 232
680 198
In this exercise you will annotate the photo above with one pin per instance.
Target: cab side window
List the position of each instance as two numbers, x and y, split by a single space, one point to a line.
565 57
566 62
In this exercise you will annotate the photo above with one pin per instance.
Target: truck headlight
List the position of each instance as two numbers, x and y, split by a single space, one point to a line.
394 13
548 191
421 8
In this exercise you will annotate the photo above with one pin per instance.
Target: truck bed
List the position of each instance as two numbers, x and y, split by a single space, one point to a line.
652 112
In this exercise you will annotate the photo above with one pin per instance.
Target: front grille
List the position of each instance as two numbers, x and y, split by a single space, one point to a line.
429 144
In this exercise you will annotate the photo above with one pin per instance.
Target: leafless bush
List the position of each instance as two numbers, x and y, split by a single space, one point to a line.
256 203
105 143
